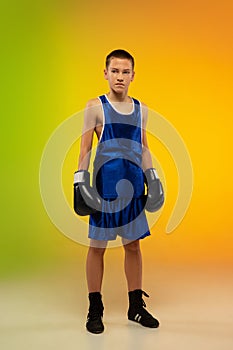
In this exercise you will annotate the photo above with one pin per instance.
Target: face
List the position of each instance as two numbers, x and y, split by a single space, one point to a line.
119 74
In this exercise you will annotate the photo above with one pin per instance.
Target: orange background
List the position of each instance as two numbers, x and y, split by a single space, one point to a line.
55 59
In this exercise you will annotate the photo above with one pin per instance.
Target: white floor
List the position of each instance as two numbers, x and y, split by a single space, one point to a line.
194 306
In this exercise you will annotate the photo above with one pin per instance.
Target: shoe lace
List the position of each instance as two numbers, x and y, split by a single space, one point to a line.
138 301
142 305
142 301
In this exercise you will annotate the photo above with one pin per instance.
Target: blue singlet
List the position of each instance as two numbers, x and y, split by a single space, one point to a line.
118 176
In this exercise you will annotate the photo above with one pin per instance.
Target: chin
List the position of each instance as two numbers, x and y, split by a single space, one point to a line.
120 90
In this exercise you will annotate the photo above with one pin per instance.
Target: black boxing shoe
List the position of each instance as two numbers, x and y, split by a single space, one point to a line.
94 322
137 311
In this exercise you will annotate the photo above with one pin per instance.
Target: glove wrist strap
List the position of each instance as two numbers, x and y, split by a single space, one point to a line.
152 173
81 176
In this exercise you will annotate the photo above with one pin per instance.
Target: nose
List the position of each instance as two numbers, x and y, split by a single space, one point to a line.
119 80
120 77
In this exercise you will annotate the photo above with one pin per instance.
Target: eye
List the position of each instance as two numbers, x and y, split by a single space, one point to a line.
126 72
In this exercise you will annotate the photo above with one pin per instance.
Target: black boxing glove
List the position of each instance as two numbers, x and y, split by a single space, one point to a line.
86 199
155 193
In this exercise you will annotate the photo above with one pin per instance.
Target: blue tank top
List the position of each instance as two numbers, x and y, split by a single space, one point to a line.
119 152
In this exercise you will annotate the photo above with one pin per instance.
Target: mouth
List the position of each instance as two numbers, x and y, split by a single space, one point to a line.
119 84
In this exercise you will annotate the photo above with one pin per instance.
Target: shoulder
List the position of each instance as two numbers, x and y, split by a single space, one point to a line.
93 107
93 102
93 112
144 106
144 112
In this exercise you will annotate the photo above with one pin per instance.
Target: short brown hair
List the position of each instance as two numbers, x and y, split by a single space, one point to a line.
119 53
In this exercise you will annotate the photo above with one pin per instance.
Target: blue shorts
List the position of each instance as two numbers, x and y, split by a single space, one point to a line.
129 223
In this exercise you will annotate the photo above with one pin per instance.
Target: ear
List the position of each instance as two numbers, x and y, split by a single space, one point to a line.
105 74
133 76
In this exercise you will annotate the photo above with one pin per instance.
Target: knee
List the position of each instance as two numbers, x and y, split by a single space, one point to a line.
133 247
97 251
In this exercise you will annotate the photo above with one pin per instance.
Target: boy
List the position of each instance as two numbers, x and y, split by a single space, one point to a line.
116 202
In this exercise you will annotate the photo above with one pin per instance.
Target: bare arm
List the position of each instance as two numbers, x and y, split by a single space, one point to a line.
90 117
146 155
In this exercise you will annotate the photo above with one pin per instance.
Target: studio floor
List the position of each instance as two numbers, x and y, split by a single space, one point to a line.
194 306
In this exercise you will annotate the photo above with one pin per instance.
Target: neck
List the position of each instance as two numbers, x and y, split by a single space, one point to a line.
115 97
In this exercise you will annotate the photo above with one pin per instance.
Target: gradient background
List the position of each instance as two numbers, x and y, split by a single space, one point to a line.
52 62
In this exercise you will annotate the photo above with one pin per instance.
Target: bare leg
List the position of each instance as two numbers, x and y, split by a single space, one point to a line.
133 265
95 265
